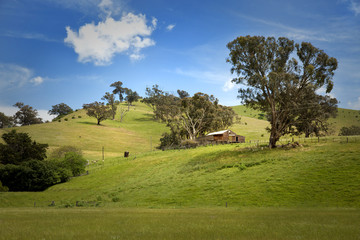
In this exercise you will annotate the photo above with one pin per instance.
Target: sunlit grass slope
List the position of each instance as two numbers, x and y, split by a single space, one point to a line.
321 175
138 132
344 118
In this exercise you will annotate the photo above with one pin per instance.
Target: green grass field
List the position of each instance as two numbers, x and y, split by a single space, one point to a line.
247 223
316 175
215 192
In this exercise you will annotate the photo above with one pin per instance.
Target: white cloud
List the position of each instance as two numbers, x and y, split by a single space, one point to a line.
37 80
355 7
100 43
12 75
170 27
228 86
354 105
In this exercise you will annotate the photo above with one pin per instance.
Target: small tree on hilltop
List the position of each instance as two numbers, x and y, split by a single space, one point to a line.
131 96
60 109
26 115
98 110
118 89
110 98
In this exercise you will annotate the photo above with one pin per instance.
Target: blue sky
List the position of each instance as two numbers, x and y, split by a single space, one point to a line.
71 51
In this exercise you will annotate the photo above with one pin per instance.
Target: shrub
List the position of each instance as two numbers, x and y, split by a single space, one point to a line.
189 143
79 116
3 188
74 162
169 140
61 151
73 117
349 131
32 175
66 119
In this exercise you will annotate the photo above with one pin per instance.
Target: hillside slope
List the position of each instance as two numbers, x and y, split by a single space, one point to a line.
137 133
321 175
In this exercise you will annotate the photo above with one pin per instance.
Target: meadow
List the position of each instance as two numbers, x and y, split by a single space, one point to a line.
235 191
129 223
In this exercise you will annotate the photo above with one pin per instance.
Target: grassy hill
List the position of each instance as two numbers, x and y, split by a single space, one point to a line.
319 175
137 133
214 192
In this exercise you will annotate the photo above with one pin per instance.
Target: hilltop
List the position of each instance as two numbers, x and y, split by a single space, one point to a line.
139 132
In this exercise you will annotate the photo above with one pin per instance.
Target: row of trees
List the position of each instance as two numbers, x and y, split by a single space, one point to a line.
187 117
27 115
24 167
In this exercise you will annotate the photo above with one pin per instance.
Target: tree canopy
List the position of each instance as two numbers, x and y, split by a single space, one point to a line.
98 110
5 121
19 148
26 115
282 79
110 98
118 89
60 109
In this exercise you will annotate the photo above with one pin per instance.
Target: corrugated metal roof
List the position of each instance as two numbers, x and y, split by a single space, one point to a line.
218 133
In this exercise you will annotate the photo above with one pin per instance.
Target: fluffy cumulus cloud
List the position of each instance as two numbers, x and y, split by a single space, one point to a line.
99 43
12 75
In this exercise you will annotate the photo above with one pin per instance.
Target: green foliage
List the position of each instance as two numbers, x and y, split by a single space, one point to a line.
33 175
118 89
98 110
131 96
26 115
20 148
281 87
60 152
350 131
190 117
74 162
5 121
188 143
60 110
3 188
111 102
169 140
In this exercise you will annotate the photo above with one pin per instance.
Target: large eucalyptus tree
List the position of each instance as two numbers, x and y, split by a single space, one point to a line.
282 78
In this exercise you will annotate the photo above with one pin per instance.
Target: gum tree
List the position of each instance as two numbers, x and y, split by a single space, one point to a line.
281 79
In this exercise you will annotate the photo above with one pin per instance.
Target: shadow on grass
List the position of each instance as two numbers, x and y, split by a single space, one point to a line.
146 117
89 123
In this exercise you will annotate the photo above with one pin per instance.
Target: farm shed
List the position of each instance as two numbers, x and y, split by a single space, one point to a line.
225 136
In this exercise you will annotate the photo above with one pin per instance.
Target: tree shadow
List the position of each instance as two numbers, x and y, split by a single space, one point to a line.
89 123
146 117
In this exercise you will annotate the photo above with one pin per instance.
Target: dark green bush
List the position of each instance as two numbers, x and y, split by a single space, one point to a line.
61 151
350 131
74 162
189 143
3 188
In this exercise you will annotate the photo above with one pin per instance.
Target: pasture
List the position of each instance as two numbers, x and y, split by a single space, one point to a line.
214 223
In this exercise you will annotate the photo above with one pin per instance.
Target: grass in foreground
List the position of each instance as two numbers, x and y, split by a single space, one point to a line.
319 175
240 224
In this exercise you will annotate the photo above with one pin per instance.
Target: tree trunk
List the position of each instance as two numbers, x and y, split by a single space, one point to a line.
274 137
